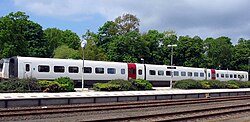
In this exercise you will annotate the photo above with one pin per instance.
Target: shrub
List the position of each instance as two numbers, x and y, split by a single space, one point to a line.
205 84
187 84
142 84
65 83
125 85
215 84
45 84
232 86
19 85
240 84
106 87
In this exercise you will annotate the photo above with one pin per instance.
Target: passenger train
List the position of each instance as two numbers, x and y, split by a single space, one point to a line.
101 71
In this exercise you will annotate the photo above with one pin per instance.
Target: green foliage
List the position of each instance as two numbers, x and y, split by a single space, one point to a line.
125 85
64 52
240 84
142 84
19 85
232 86
188 84
106 87
50 86
205 84
65 83
215 84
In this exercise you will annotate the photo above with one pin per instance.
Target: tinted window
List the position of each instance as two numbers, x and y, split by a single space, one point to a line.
227 75
201 74
183 73
235 76
131 71
231 75
160 72
196 74
222 75
122 71
59 69
87 70
176 73
217 75
1 67
73 69
99 70
152 72
190 74
208 74
111 70
140 72
27 67
43 68
168 73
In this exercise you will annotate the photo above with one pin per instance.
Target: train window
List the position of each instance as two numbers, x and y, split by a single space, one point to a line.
183 73
73 69
111 70
140 72
176 73
190 73
242 76
99 70
227 76
1 66
87 70
27 67
217 75
160 72
152 72
59 69
168 73
201 74
171 67
239 76
231 75
43 68
235 76
222 75
196 74
208 74
122 71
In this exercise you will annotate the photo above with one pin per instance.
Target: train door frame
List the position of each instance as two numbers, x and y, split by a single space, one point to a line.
27 69
131 71
213 74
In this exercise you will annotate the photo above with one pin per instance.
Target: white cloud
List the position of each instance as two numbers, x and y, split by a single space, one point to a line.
189 17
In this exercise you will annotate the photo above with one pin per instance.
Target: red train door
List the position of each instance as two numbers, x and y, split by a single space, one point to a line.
213 74
131 71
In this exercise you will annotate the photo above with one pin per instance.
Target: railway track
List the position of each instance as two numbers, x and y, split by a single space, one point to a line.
111 106
183 115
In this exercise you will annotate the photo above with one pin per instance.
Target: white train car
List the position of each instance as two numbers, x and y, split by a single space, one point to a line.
101 71
225 75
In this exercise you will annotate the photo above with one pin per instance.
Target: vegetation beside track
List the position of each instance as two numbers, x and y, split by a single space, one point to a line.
123 85
211 84
62 84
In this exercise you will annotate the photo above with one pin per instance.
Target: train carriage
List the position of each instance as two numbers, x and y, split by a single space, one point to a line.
103 71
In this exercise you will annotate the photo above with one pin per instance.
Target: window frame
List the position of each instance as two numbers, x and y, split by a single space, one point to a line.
98 71
111 71
40 66
152 72
71 69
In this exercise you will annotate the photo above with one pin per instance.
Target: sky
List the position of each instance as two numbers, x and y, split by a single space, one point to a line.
204 18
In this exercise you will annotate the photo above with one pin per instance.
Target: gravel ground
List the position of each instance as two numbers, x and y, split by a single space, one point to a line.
81 116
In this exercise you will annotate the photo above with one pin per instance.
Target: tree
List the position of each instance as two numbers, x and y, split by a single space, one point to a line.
219 52
127 23
240 55
57 37
20 36
64 52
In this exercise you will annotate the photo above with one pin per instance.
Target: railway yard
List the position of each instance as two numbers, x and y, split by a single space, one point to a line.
190 105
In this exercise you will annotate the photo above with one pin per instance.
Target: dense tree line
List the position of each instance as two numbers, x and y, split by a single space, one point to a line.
120 40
